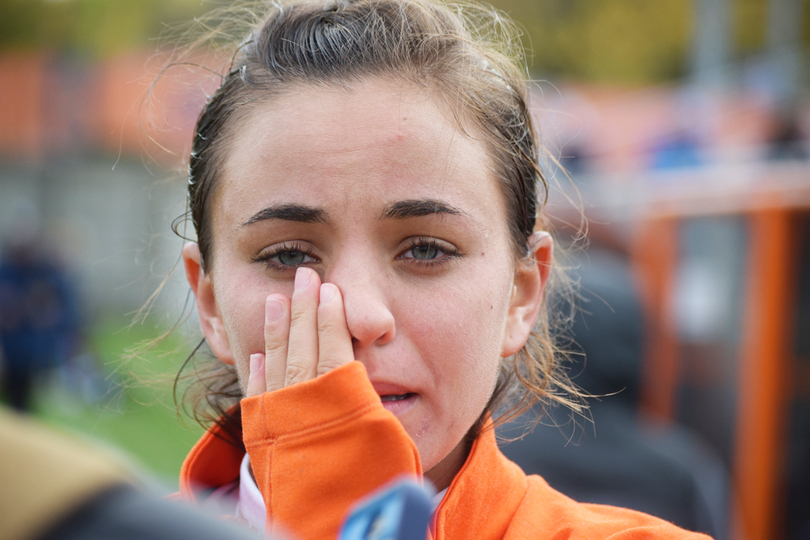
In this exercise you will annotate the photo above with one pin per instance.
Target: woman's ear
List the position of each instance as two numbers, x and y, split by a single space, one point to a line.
531 277
210 318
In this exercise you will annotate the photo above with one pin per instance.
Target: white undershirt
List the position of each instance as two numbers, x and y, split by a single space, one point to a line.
251 507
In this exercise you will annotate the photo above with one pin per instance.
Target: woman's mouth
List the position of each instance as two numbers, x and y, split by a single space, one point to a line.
398 403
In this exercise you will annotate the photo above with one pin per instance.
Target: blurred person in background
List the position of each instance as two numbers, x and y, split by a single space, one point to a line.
615 455
788 142
39 312
53 487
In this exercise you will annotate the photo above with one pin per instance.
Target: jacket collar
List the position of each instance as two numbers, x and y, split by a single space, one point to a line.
213 462
487 479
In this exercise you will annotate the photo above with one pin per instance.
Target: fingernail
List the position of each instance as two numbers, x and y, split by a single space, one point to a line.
255 362
273 310
327 292
302 277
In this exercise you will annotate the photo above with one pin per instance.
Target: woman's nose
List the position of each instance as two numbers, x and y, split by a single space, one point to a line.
368 314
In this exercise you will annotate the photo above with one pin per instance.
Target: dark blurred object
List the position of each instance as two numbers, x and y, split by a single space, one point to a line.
55 488
126 513
39 317
788 142
622 459
797 465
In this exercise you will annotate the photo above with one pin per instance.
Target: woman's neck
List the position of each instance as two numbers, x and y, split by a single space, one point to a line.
442 474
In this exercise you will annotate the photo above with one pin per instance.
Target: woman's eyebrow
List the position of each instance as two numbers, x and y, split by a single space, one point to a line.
289 212
418 208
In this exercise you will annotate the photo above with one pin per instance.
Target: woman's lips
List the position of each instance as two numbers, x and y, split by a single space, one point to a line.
396 398
398 403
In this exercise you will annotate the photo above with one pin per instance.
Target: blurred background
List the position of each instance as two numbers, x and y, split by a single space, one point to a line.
684 126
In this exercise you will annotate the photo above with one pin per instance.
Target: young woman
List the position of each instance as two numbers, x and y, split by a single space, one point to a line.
370 267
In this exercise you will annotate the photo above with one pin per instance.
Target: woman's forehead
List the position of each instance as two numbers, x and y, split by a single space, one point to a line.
323 119
378 140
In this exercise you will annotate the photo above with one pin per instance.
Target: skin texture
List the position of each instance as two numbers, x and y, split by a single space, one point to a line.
362 224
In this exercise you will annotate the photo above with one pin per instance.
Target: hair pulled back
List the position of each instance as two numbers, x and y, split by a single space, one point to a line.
468 55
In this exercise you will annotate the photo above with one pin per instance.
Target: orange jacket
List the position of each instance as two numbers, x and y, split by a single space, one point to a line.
318 447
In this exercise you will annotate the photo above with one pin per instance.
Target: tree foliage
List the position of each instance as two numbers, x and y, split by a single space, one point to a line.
617 41
629 41
95 27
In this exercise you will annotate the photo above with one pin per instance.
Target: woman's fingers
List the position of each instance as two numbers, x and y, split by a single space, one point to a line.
303 337
334 340
276 336
302 347
256 383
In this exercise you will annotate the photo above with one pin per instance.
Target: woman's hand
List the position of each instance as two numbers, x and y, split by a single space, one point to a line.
303 337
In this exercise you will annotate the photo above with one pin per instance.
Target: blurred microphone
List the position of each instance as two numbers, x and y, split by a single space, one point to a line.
400 511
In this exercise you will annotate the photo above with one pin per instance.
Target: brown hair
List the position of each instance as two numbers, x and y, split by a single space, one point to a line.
469 55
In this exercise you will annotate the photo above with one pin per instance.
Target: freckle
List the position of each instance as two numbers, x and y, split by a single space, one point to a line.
482 253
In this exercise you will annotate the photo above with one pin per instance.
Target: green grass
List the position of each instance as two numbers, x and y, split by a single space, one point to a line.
130 405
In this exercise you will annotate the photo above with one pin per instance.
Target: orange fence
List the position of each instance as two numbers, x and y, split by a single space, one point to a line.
773 208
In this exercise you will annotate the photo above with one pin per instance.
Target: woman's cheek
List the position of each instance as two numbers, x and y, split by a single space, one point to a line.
478 337
461 336
242 312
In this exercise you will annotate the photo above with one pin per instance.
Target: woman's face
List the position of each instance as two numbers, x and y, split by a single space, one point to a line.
376 189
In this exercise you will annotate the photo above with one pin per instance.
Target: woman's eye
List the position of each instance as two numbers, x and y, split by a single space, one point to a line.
429 251
292 258
425 253
286 256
